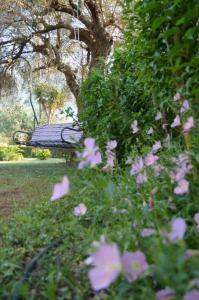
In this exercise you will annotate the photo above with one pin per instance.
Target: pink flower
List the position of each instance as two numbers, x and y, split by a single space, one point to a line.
165 294
107 266
134 126
182 157
150 130
147 232
183 167
192 295
60 189
178 228
196 218
111 144
176 122
137 166
176 97
141 178
110 155
91 155
182 187
134 264
185 106
188 124
80 210
157 169
178 175
89 143
150 159
156 146
191 252
158 116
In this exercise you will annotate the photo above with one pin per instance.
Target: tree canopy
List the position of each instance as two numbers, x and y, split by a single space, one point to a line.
70 36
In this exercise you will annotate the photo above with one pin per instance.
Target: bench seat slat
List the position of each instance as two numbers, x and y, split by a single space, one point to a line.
50 135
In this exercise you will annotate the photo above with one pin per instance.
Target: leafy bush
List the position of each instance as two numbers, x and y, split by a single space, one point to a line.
158 59
28 152
8 153
41 153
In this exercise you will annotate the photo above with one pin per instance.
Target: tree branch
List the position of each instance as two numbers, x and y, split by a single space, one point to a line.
70 11
95 10
84 34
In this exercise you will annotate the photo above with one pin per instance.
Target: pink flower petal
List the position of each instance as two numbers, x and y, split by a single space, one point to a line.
176 97
80 210
178 228
158 116
185 106
182 188
107 266
137 166
196 218
157 169
89 143
111 144
188 124
147 232
134 127
150 130
134 264
150 159
165 294
176 122
191 252
192 295
60 189
141 178
156 146
91 154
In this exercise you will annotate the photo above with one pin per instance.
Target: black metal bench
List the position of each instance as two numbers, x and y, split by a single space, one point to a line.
51 136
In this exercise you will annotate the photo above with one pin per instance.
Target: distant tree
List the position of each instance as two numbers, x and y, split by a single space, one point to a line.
50 98
71 36
14 118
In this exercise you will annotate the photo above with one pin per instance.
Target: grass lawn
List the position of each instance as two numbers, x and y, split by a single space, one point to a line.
30 222
24 182
116 208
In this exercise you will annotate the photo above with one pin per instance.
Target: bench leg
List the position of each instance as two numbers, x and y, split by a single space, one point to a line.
70 156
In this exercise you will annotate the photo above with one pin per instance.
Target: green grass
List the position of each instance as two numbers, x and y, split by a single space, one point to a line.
24 182
114 204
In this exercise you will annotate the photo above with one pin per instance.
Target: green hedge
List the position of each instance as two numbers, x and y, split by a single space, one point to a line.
55 153
158 58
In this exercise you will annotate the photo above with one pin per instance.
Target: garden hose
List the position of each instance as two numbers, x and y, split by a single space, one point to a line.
31 266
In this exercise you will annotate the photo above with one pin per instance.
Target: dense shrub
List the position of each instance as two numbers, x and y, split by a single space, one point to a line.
41 153
158 58
8 153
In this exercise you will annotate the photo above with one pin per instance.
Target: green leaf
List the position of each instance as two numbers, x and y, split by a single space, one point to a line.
169 32
190 33
158 22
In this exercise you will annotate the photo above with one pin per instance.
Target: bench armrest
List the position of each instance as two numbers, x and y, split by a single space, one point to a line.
17 141
69 128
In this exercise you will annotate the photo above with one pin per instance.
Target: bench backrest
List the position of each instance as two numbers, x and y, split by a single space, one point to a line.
52 133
